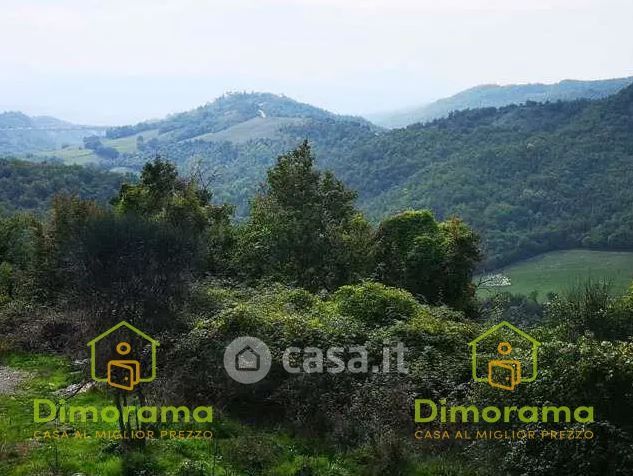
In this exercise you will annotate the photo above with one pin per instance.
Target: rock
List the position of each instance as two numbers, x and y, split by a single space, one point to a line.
80 364
10 379
75 388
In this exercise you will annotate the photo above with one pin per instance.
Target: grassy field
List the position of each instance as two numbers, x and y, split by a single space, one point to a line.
72 155
558 271
127 145
256 128
76 155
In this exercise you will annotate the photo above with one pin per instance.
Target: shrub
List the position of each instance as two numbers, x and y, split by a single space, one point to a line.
591 308
342 406
139 464
310 466
583 373
375 304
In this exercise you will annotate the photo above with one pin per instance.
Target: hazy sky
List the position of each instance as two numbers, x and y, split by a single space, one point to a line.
121 61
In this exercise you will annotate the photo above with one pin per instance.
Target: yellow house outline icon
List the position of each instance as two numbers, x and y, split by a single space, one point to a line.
534 344
92 343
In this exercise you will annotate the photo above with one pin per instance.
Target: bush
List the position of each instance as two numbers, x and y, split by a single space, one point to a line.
609 452
6 281
591 308
309 466
128 266
375 304
139 464
342 406
583 373
279 316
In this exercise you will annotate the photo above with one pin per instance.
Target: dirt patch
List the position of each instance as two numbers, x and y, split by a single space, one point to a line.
10 379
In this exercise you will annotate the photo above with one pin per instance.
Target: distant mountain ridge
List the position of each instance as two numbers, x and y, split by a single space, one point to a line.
22 134
492 95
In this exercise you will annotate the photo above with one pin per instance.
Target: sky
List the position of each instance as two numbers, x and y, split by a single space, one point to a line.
110 62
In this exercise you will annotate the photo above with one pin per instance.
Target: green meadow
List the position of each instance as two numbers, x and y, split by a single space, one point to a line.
559 271
77 155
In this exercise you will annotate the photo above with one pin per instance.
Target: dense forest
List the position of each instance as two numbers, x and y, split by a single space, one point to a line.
529 178
305 268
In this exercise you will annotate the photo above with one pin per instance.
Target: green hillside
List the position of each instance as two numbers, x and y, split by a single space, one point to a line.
305 275
560 271
530 179
238 135
493 95
223 113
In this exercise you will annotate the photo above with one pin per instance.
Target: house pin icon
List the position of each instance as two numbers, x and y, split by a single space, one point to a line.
247 360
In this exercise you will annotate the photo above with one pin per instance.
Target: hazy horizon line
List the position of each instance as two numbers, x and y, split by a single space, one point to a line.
413 104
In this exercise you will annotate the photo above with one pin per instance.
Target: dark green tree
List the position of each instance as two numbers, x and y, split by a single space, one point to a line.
303 228
19 235
434 261
162 195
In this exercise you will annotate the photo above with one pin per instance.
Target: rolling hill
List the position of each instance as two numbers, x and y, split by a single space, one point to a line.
237 137
22 134
492 95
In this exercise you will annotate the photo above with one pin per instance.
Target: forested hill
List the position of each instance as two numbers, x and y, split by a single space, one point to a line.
530 178
493 95
236 138
27 186
226 112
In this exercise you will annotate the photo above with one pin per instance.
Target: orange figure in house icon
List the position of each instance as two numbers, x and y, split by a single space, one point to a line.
122 369
504 362
124 374
504 373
